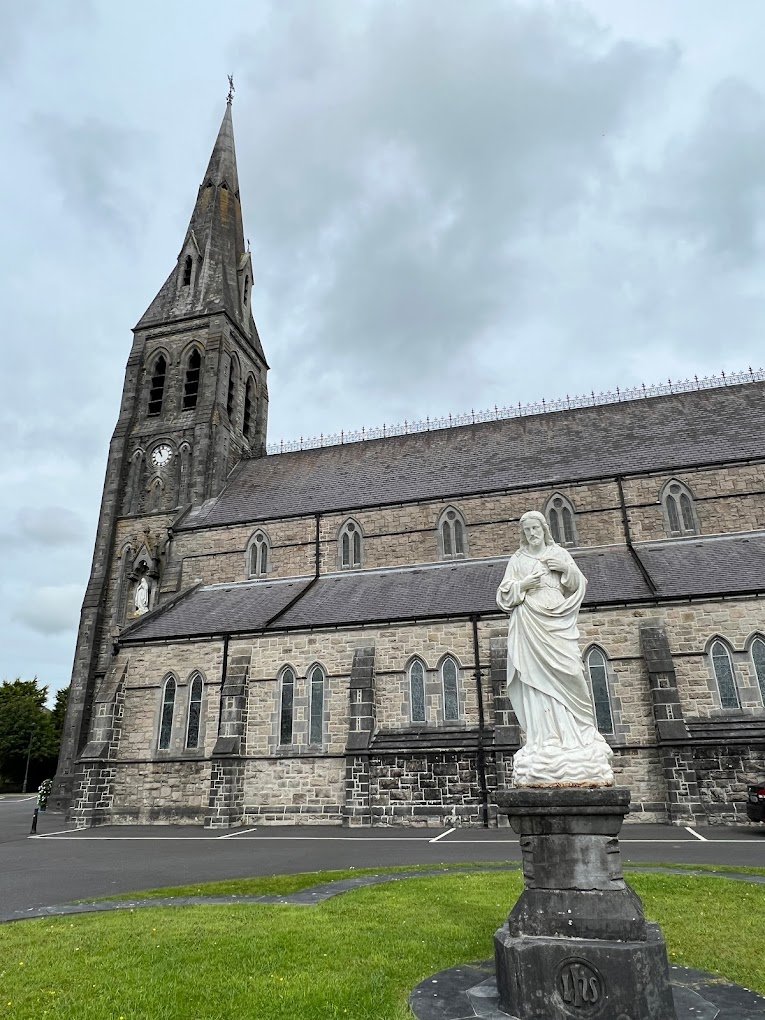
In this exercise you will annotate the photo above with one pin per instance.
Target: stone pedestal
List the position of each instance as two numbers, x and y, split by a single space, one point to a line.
576 944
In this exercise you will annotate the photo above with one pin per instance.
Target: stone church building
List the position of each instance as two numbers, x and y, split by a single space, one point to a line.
312 636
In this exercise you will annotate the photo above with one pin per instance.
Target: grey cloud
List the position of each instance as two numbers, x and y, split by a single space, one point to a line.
49 609
711 189
89 161
49 525
399 167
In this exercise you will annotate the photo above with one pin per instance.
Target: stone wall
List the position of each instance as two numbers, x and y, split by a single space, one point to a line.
727 499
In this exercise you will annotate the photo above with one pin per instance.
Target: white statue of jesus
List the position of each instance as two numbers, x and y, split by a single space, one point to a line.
542 590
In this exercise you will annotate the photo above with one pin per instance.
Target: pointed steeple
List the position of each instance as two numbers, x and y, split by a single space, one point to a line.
214 271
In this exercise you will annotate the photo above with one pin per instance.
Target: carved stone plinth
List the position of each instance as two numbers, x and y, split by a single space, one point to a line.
576 944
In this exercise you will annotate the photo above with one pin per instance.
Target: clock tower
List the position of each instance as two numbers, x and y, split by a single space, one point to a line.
195 401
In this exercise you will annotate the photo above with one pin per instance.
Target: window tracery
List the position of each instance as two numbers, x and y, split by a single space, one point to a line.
679 509
350 546
562 520
452 534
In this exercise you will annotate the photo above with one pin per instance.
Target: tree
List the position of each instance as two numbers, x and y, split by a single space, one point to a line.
26 729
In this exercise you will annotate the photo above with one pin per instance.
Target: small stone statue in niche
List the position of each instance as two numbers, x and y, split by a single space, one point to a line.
141 597
542 591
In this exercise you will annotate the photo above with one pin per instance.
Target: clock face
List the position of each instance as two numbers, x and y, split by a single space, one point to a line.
161 456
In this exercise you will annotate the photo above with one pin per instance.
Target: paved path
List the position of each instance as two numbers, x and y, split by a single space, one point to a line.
61 865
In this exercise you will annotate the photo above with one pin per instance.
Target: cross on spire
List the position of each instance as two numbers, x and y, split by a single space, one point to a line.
231 89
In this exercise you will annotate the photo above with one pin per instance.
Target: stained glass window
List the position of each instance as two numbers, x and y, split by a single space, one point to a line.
166 719
723 670
598 670
317 705
285 722
195 711
451 699
417 691
758 658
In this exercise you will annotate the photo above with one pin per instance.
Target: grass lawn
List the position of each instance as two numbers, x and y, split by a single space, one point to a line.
355 957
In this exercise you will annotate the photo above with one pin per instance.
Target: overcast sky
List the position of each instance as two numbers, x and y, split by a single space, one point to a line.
451 204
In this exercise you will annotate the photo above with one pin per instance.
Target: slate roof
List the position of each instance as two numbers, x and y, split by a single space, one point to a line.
707 566
653 434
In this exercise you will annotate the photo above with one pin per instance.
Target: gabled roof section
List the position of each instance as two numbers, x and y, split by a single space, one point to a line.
682 568
215 241
655 434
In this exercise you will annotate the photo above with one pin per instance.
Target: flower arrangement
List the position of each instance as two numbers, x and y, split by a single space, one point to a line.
43 792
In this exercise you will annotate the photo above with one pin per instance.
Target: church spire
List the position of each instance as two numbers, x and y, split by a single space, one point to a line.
214 271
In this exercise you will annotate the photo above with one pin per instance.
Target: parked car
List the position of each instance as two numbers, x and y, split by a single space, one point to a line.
755 802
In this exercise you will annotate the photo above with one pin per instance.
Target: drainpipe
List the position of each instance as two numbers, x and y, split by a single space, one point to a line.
481 758
628 539
223 675
303 591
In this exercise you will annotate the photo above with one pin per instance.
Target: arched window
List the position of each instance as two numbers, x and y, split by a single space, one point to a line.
249 395
350 546
188 266
166 716
232 374
449 685
183 474
191 384
679 511
560 516
246 291
452 534
316 724
258 554
597 667
286 706
722 668
195 712
758 660
157 388
417 691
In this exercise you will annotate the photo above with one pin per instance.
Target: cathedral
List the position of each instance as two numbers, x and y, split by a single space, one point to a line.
312 636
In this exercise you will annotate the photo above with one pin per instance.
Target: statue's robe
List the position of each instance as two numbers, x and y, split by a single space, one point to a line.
546 682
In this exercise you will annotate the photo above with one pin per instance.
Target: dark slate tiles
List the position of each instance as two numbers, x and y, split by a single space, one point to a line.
699 566
219 609
667 432
708 566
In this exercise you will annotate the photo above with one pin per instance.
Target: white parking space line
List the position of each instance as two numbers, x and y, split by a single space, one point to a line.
441 836
58 832
20 800
698 835
233 835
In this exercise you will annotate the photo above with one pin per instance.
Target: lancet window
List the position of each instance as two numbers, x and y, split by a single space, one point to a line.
191 383
166 714
259 554
758 661
597 668
232 374
188 267
157 388
449 686
679 510
350 543
316 724
452 534
722 667
417 691
195 712
560 517
286 708
249 400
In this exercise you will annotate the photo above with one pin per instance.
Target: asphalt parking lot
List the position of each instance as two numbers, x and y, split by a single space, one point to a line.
60 864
